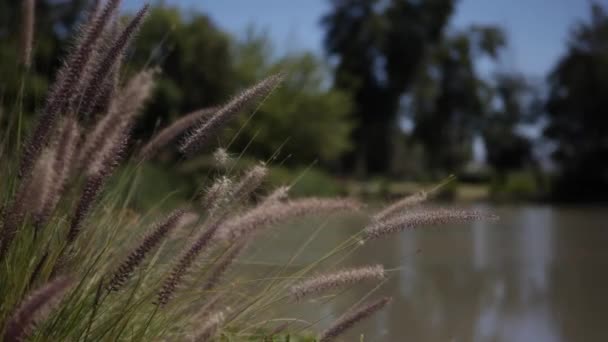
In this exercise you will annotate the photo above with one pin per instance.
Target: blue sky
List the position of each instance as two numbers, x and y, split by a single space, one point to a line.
537 29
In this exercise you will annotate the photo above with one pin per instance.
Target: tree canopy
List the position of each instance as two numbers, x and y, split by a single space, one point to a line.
576 109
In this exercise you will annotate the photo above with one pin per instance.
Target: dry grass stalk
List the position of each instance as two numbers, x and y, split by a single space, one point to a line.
351 318
33 308
170 133
423 218
28 14
274 213
150 242
335 280
201 134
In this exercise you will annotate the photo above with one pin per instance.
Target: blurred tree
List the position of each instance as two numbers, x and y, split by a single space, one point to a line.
303 118
449 100
54 20
378 47
195 59
576 108
511 105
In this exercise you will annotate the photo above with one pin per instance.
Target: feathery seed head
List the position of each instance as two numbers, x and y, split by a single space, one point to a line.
423 218
222 158
250 181
113 56
185 262
40 185
63 89
201 134
62 167
335 280
397 207
274 213
32 309
217 195
353 317
110 130
151 241
280 194
177 128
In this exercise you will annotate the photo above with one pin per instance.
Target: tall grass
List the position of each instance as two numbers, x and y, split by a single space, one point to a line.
77 263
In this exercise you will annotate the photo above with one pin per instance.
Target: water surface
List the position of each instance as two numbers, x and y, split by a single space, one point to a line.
539 274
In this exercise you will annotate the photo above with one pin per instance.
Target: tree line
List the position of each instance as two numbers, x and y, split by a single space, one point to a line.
397 92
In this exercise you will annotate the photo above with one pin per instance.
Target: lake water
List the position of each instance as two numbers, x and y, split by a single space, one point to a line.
539 274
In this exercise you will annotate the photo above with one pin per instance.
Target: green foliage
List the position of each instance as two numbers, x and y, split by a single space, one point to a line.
195 59
447 104
54 19
201 66
516 186
302 119
379 47
306 182
508 150
576 108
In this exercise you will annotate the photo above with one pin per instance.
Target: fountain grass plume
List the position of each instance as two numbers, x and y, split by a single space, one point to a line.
401 205
62 168
150 242
423 218
89 107
181 268
351 318
217 195
63 87
222 159
28 200
177 128
334 280
265 215
200 135
124 108
411 201
249 182
39 187
96 177
32 309
278 195
113 56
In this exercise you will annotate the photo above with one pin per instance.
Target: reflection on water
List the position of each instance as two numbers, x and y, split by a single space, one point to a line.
540 274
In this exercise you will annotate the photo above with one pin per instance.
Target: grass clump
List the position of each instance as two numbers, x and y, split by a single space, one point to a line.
77 263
